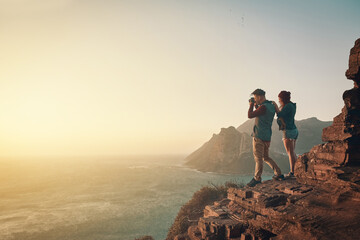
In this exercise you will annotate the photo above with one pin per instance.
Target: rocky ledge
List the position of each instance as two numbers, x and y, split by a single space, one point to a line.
282 210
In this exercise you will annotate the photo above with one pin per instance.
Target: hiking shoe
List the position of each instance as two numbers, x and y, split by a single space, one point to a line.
289 175
253 182
278 177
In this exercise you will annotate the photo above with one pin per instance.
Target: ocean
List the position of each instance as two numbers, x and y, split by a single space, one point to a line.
98 198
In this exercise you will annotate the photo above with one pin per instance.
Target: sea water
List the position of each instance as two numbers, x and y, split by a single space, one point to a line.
103 198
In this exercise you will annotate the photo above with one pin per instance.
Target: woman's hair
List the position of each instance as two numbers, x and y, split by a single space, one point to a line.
285 96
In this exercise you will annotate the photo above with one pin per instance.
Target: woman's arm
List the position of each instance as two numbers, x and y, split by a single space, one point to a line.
276 107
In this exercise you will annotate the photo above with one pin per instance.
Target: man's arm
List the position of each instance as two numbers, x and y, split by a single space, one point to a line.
258 112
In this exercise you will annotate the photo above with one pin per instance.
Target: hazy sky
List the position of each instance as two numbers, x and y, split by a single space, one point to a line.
148 77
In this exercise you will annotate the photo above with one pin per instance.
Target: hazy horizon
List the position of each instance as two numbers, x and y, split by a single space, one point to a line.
119 156
109 78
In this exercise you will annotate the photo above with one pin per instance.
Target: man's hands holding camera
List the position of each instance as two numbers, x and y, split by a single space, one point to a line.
252 102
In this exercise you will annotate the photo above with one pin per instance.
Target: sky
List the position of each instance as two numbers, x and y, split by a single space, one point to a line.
107 77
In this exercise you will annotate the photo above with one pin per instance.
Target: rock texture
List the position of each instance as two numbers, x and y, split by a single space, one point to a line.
353 72
282 210
322 202
352 97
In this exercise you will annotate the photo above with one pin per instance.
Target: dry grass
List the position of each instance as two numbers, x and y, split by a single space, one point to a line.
193 209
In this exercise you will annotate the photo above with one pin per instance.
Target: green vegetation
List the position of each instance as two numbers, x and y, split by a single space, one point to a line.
193 210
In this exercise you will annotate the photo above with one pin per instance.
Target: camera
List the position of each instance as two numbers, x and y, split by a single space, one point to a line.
252 100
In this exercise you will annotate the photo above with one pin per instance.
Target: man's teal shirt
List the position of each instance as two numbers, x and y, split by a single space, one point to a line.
263 123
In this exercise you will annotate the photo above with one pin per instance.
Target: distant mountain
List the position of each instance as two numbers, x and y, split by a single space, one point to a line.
310 131
230 152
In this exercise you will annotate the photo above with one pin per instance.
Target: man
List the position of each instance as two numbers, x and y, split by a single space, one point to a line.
264 116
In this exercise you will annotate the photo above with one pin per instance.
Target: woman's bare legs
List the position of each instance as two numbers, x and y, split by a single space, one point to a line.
295 157
289 145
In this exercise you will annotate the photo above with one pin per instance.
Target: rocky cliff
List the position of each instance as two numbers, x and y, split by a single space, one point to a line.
322 202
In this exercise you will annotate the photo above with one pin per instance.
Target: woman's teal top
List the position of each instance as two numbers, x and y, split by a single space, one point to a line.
287 113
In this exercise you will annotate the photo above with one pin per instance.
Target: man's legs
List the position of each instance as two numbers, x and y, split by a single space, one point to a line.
258 151
269 161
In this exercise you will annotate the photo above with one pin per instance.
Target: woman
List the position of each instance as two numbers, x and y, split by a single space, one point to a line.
286 122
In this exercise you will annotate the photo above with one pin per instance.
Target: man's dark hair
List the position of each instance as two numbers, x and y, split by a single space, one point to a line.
258 92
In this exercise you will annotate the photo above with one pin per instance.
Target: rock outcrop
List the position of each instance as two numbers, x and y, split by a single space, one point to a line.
353 73
322 202
281 210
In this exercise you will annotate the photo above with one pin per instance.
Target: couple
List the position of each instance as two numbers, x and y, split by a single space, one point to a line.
264 115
